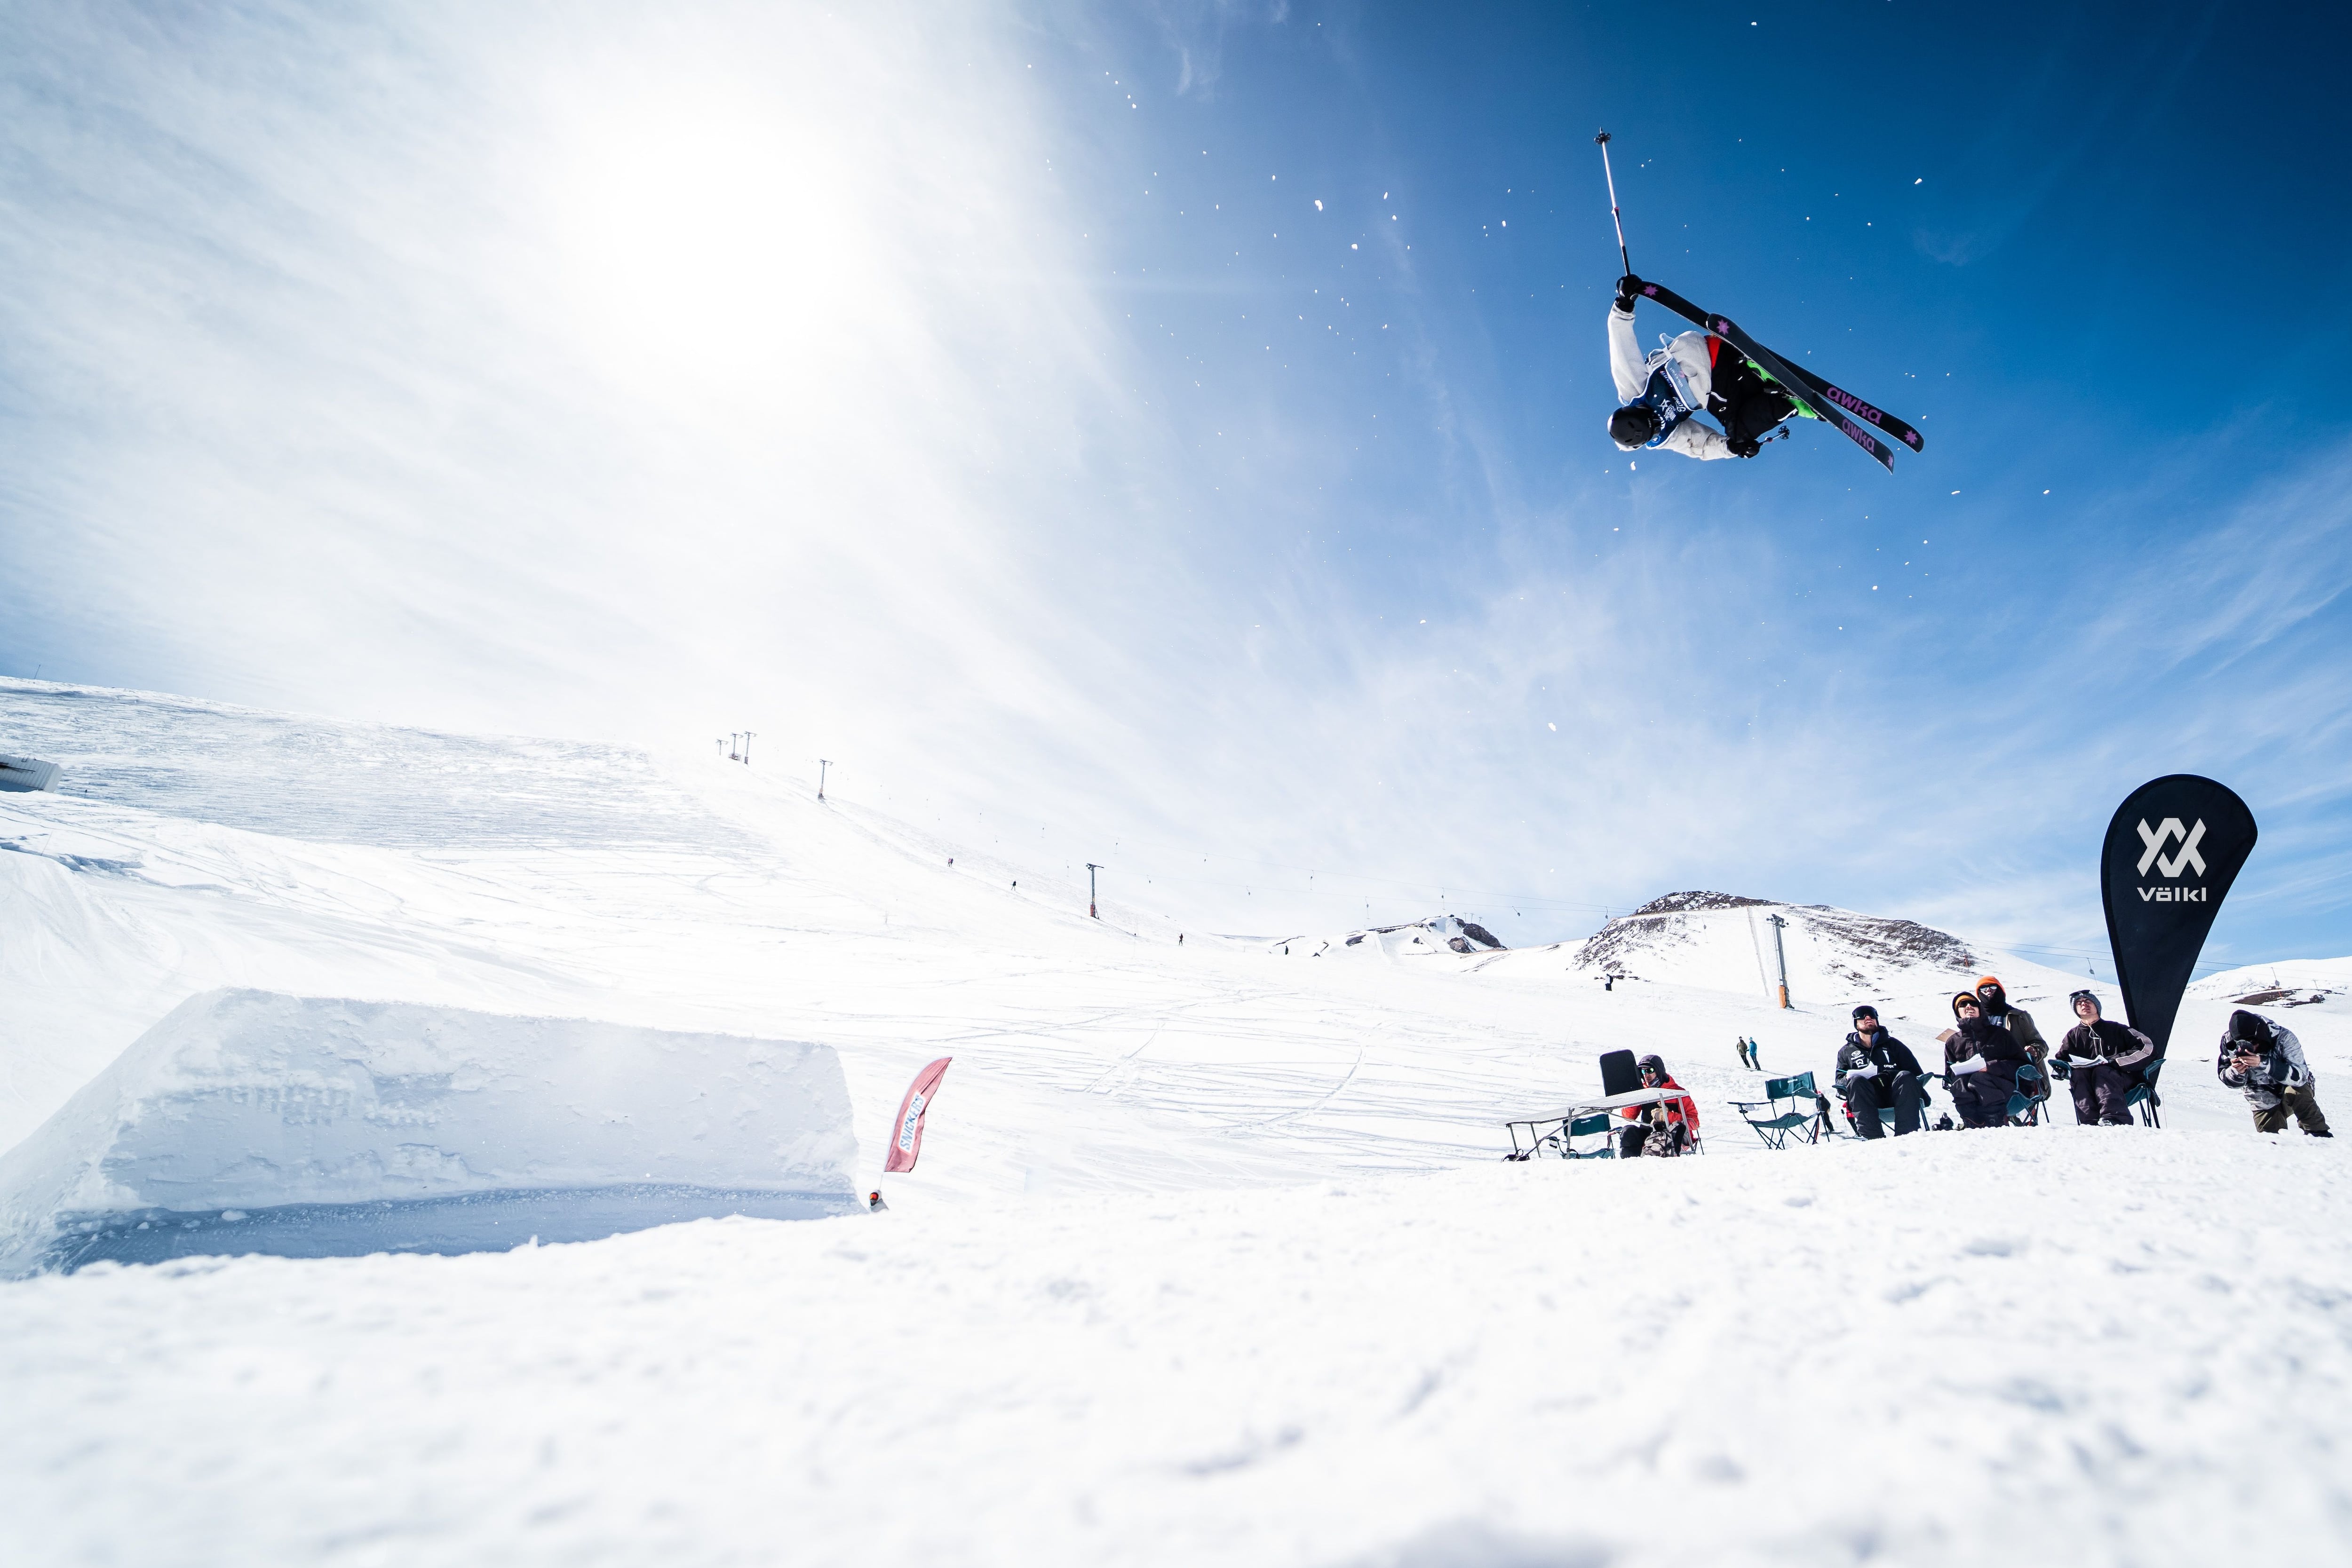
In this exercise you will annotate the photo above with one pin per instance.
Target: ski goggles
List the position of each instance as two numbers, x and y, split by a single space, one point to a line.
2079 998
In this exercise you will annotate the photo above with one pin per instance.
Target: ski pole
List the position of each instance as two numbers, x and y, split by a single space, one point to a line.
1614 217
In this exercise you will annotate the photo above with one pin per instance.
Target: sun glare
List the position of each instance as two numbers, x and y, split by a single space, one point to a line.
714 242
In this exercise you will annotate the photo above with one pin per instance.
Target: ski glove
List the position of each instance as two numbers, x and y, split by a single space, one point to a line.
1970 1065
1629 289
1745 448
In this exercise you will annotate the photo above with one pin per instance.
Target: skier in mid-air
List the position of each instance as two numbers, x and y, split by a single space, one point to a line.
1695 373
1722 372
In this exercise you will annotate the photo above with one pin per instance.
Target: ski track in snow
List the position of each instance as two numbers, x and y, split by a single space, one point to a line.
1210 1252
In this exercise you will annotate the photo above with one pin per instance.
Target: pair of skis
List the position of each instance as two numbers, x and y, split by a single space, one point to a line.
1833 405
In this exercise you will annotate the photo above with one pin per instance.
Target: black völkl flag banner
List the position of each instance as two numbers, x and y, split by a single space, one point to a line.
2173 849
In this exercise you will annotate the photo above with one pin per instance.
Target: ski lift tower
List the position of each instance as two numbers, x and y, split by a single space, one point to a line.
1780 954
1091 869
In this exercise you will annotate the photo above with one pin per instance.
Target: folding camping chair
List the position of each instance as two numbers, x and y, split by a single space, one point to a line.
2143 1094
1790 1107
1585 1127
2025 1104
1559 1143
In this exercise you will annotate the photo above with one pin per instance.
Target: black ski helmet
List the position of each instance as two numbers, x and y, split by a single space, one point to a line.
1633 426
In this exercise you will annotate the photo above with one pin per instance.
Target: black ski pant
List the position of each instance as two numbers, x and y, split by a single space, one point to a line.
1748 405
1982 1097
2099 1094
1867 1097
2302 1103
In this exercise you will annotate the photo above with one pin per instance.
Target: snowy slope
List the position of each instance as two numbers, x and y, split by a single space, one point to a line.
531 877
2064 1347
1210 1251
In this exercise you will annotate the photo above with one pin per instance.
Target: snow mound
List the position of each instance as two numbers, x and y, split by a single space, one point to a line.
254 1122
1724 942
1419 938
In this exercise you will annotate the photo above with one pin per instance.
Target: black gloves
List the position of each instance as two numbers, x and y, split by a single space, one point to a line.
1745 448
1629 289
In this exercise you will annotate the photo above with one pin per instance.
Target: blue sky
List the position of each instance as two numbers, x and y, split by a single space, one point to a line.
982 400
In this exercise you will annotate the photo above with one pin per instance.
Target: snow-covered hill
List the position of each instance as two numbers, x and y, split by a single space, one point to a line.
1253 1193
1440 934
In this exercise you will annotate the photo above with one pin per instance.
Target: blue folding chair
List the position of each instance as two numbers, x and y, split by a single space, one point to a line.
2032 1093
2143 1094
1791 1108
1587 1126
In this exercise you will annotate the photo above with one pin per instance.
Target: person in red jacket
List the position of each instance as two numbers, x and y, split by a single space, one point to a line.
1670 1123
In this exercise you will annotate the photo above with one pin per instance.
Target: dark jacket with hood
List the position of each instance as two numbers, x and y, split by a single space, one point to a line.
1883 1051
2005 1014
1980 1037
2117 1045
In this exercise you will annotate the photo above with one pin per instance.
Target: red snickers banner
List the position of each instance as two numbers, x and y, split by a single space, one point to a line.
907 1137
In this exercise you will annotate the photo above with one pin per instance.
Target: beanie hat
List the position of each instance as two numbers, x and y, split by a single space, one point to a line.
2251 1028
1865 1011
1966 999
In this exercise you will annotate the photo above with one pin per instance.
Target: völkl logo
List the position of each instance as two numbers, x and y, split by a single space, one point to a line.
2152 853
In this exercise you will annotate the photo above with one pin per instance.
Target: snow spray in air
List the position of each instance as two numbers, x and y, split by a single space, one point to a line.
907 1139
2172 850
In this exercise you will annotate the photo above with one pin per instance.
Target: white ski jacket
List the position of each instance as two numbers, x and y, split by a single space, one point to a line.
1691 365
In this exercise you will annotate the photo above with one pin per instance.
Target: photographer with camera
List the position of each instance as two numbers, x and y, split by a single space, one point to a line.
2266 1062
2104 1061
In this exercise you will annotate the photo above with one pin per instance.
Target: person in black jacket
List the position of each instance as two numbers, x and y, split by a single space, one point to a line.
1877 1071
2105 1061
1981 1063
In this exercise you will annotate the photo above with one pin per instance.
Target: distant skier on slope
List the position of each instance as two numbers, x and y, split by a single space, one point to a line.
1695 373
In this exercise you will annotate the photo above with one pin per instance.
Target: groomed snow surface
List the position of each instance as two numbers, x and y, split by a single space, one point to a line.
1982 1348
1210 1256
